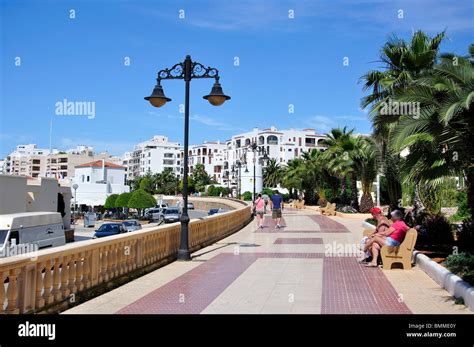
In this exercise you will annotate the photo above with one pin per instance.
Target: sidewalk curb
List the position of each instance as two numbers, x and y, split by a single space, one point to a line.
446 279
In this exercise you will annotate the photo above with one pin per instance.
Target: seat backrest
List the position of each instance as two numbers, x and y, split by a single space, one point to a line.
410 240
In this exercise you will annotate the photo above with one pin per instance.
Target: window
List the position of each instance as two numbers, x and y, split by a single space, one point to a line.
168 155
209 160
261 140
204 151
168 162
272 140
82 178
247 142
289 149
63 167
299 141
215 150
88 178
36 161
310 142
294 139
35 168
237 144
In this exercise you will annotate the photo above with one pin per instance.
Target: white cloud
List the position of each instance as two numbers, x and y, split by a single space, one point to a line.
211 122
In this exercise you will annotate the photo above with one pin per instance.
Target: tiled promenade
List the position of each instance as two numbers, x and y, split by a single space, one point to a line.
278 271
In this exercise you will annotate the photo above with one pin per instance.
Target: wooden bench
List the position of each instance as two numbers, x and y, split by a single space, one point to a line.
329 210
401 254
299 204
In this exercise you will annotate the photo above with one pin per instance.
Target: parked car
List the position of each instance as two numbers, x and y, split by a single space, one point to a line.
41 229
131 225
171 215
215 210
162 205
155 214
109 229
190 206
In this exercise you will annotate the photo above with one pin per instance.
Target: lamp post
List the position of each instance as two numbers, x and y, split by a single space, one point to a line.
260 151
74 186
187 70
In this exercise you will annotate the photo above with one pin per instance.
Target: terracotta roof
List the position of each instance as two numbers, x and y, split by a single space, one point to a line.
98 163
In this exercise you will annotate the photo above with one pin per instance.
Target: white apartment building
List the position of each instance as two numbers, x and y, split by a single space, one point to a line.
153 156
97 180
212 156
282 145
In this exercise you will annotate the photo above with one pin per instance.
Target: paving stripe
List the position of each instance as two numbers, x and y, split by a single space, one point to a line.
352 288
298 241
193 291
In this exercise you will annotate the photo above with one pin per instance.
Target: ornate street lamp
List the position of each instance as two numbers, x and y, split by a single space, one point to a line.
187 70
261 151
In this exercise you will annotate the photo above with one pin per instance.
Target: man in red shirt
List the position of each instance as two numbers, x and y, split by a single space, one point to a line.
391 237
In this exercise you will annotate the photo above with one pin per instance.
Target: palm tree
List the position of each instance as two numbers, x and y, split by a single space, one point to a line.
293 175
403 63
365 159
440 138
272 174
312 175
340 143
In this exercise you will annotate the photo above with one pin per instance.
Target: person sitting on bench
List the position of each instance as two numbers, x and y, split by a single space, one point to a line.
392 237
381 226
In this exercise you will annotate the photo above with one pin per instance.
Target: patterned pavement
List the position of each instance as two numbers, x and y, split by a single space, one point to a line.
273 270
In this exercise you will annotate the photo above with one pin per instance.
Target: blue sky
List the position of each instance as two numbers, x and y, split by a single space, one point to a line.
282 61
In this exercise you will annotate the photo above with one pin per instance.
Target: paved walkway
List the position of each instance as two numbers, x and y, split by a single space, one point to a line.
287 270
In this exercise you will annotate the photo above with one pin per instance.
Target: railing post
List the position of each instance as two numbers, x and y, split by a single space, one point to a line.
94 267
27 288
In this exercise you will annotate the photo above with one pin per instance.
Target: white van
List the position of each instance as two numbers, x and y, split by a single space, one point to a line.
38 229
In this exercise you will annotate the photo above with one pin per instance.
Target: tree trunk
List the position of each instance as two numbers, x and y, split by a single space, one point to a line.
417 202
366 202
354 193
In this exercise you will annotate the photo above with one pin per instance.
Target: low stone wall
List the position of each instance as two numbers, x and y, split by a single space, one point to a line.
446 279
55 278
206 203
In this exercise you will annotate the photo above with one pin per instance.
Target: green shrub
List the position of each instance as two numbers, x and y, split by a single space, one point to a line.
110 201
434 229
267 191
123 199
466 237
247 196
141 199
462 265
463 209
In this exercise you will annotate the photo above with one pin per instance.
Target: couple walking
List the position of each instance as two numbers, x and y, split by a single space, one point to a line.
276 205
